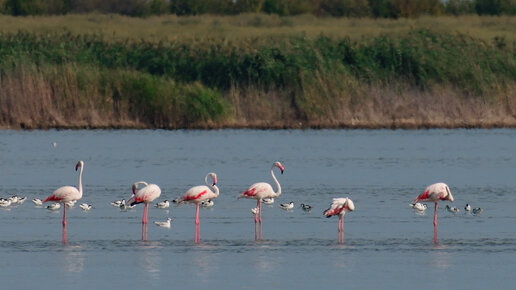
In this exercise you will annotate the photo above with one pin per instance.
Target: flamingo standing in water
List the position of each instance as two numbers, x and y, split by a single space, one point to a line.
146 194
434 193
66 194
198 194
340 206
262 190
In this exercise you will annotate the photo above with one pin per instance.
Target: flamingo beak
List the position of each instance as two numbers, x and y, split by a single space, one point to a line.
214 181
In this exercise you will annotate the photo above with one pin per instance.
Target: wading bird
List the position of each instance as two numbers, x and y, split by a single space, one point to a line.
340 206
198 194
66 194
435 193
146 194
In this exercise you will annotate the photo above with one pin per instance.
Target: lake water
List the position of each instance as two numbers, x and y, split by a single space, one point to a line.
387 244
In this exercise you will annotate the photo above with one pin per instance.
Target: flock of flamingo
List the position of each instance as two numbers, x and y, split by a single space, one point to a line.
146 193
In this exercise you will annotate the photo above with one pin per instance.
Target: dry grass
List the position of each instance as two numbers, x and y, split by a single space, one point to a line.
234 28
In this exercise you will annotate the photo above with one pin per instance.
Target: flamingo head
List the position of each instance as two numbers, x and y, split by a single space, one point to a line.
213 177
79 164
278 164
350 205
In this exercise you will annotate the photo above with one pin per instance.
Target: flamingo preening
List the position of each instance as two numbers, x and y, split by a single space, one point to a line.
198 194
434 193
68 193
262 190
340 206
146 195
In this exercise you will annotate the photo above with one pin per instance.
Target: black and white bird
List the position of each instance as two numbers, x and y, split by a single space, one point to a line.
85 206
306 207
206 203
418 206
287 206
37 201
5 202
54 206
116 203
467 207
163 204
268 200
477 210
452 209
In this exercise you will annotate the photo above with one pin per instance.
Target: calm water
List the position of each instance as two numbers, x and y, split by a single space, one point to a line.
387 245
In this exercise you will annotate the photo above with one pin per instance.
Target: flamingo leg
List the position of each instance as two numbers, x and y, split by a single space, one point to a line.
64 215
64 235
197 238
435 224
145 230
256 214
145 214
260 211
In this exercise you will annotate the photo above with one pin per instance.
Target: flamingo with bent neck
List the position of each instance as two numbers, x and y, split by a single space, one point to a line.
146 194
198 194
262 190
68 193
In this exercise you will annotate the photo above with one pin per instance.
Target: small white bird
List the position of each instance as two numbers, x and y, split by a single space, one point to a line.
37 201
254 210
54 144
70 203
116 203
124 206
5 202
85 206
306 207
21 200
53 206
467 207
452 209
13 199
268 200
163 204
477 210
418 206
207 203
287 206
164 224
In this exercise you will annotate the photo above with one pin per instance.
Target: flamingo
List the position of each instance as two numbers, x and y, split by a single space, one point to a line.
262 190
146 194
340 206
434 193
198 194
66 194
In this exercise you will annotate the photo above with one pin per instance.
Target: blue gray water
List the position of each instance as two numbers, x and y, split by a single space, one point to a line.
387 245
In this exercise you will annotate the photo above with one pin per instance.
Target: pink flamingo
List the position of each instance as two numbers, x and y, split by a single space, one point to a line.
198 194
67 193
262 190
340 206
434 193
147 194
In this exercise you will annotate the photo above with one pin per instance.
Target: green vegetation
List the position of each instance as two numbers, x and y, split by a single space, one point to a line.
215 81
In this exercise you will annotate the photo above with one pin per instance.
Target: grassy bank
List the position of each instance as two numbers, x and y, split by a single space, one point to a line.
402 77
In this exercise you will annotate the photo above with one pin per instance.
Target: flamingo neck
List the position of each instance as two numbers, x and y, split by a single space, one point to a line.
278 192
213 187
80 182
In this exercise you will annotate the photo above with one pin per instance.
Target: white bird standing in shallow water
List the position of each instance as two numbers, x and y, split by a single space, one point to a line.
146 195
164 224
5 202
68 193
198 194
467 207
116 203
287 206
340 206
435 193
